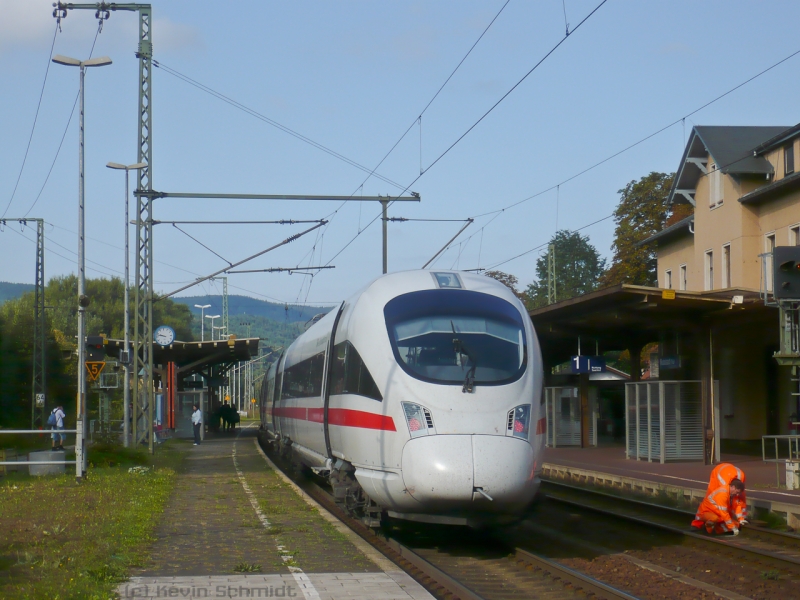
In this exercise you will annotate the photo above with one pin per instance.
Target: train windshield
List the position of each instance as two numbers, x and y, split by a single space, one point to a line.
457 337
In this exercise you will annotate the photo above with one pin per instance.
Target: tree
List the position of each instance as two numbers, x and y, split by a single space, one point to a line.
578 268
641 213
508 280
104 315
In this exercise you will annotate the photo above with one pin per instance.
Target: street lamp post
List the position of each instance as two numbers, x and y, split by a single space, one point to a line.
83 300
217 329
202 308
212 317
126 391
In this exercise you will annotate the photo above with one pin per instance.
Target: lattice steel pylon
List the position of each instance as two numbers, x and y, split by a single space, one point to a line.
551 274
39 376
224 303
144 395
38 362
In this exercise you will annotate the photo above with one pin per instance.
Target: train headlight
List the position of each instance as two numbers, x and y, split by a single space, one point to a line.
518 422
418 419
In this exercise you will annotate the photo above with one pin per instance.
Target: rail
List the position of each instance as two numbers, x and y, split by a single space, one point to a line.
758 551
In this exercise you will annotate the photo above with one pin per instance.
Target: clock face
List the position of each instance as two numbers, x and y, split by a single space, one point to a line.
164 335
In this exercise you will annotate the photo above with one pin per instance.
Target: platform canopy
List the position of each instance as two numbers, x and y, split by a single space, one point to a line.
210 358
627 316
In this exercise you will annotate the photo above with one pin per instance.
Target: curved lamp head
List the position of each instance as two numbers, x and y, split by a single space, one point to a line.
74 62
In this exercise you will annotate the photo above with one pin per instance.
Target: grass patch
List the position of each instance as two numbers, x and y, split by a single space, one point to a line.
79 540
244 567
105 454
773 575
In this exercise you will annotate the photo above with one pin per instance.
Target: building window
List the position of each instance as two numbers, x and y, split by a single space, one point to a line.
683 277
668 279
709 270
715 186
769 248
794 235
788 160
726 266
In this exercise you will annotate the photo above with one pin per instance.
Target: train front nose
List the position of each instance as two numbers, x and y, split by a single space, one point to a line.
485 472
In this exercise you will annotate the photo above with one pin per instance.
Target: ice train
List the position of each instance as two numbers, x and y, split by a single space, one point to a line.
419 398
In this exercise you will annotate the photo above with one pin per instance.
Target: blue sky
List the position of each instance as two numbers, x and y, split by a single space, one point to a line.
353 76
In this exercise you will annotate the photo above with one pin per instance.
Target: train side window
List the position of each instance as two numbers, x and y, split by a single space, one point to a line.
350 374
304 380
337 368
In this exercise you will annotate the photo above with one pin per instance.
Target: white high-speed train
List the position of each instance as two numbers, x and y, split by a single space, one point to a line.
419 398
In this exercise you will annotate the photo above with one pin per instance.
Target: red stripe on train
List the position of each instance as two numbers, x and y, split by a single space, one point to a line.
359 418
541 426
343 417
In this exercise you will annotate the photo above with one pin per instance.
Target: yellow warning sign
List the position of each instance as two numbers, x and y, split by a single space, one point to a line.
668 294
94 368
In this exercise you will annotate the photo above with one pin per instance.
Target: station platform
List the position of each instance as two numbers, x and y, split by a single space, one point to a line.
236 527
608 467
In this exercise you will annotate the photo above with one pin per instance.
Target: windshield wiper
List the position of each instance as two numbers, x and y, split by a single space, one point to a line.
460 347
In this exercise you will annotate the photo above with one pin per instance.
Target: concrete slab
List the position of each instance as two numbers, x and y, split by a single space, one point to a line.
277 585
46 456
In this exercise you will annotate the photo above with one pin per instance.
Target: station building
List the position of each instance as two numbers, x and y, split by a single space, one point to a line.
714 380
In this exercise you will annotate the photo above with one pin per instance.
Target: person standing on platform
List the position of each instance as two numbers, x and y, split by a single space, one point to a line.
57 423
724 509
197 423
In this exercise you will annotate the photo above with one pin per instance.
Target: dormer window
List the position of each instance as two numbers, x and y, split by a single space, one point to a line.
715 186
788 160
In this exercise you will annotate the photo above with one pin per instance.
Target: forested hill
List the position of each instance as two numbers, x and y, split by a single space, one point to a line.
244 305
9 291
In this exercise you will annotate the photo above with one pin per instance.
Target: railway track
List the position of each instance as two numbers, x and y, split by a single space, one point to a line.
758 563
777 547
456 563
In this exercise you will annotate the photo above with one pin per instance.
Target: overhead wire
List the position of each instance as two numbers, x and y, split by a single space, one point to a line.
331 216
33 127
476 123
642 140
268 120
69 121
745 156
497 212
202 244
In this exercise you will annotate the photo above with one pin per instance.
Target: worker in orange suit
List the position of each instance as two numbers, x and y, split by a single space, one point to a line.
724 509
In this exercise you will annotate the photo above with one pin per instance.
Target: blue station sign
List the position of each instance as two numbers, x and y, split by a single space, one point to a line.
588 364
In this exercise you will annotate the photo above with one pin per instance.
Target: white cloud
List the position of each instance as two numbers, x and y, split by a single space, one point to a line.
26 22
169 36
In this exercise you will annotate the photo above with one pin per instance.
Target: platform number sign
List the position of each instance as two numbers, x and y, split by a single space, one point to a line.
588 364
94 368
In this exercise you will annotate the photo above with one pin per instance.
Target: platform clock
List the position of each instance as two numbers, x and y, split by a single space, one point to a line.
164 335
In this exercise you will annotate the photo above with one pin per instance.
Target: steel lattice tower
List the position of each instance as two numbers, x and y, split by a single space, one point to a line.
144 395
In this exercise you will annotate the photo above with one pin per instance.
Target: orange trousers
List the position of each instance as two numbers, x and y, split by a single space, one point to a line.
713 521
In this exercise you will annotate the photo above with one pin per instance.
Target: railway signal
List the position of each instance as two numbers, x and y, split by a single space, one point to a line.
786 261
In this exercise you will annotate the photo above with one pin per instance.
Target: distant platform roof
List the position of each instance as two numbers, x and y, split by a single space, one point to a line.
197 355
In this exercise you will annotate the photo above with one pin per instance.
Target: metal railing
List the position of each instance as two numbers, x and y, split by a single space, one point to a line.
793 452
38 462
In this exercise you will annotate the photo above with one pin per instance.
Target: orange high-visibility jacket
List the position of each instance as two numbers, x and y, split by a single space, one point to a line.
718 501
722 475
